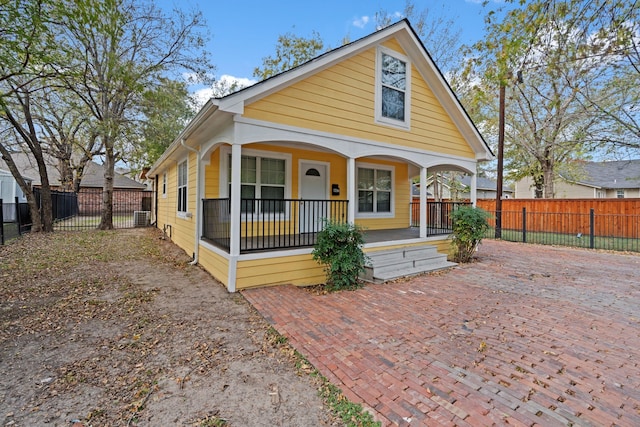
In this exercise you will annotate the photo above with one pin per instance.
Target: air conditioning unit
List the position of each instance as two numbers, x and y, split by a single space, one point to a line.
141 218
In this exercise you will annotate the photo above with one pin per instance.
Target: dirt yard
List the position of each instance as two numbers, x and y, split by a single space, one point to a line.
116 329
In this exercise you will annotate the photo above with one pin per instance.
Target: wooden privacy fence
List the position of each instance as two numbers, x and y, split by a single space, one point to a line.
597 217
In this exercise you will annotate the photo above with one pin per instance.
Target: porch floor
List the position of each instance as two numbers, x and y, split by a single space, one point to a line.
271 243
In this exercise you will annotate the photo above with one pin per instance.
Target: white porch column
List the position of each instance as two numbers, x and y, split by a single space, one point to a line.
234 244
351 190
423 203
236 156
473 188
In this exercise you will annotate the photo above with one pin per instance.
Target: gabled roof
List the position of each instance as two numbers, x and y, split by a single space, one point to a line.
402 31
93 173
610 175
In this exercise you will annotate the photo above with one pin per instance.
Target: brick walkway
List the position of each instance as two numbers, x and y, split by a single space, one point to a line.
528 335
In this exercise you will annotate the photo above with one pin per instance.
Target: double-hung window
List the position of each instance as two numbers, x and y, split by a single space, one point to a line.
262 184
182 186
375 190
392 88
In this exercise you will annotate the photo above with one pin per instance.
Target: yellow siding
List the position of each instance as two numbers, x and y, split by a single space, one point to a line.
212 176
216 265
341 100
300 270
182 229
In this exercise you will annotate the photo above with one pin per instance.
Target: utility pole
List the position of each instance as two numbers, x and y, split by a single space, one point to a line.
498 234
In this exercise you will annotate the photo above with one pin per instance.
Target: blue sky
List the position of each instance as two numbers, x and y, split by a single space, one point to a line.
244 32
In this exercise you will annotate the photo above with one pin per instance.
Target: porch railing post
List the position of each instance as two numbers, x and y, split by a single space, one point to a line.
423 202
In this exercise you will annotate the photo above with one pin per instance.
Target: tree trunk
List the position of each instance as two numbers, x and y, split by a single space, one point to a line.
46 206
66 174
549 189
106 222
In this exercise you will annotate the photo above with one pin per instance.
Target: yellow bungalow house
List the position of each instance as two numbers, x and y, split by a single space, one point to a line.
249 182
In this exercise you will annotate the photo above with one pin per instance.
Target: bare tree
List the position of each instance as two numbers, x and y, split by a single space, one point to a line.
440 36
118 50
548 122
17 113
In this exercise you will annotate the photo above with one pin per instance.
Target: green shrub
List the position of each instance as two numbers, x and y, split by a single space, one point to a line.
339 249
469 227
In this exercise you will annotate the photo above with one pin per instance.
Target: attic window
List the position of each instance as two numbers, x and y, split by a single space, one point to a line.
393 91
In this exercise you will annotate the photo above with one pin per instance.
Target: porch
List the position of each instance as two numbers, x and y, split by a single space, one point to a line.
278 224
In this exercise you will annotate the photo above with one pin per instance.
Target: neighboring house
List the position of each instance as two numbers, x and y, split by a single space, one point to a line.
591 180
9 190
127 192
247 184
485 189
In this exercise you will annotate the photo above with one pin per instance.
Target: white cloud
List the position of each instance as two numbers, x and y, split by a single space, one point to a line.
361 22
220 88
240 81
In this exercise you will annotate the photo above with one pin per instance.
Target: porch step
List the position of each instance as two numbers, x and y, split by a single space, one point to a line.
389 264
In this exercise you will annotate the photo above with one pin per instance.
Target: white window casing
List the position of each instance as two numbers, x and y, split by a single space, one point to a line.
393 89
375 187
183 188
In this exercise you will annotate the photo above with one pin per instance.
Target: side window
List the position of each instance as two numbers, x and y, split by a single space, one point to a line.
182 186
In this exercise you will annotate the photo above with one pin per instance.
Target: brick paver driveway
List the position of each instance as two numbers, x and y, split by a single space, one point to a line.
527 335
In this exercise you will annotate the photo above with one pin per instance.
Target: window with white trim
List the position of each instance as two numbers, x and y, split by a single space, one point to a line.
620 194
262 178
164 184
375 190
182 186
392 88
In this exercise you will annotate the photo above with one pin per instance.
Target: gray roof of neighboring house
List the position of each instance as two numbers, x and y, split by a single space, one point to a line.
93 173
617 174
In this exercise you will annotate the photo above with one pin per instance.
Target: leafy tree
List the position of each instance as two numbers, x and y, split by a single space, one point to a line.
291 51
67 127
547 122
24 40
166 109
25 54
120 49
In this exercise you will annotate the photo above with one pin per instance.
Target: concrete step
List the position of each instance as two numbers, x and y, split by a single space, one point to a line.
392 256
391 264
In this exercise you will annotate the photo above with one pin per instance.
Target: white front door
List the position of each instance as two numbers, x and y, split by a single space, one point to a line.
313 193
